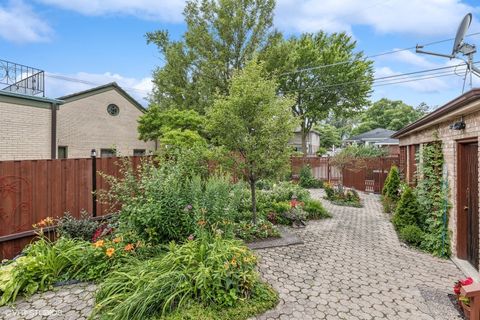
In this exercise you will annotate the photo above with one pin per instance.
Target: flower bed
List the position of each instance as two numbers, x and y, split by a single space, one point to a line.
342 196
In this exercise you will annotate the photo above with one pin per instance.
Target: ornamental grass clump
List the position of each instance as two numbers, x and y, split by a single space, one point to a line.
207 271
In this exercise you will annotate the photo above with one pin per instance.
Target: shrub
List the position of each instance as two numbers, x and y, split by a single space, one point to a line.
342 196
391 190
249 232
408 210
307 180
315 210
220 272
71 227
412 234
330 192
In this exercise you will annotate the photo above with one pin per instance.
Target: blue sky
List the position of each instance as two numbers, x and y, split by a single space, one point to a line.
103 40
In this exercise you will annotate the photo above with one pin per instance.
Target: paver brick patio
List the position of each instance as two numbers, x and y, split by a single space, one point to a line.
350 267
354 267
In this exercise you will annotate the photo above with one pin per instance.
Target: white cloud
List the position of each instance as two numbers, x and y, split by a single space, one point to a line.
20 24
59 85
162 10
419 17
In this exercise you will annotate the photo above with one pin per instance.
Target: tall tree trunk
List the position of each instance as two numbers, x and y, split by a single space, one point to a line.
254 200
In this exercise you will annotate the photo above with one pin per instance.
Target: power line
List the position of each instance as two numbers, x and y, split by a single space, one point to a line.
373 56
65 78
389 79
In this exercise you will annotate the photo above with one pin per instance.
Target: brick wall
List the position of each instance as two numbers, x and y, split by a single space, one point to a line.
85 124
24 131
449 140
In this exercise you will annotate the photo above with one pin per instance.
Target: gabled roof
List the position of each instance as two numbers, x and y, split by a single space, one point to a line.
100 89
450 107
375 134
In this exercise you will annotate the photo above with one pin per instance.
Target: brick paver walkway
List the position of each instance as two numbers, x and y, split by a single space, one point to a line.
353 267
350 267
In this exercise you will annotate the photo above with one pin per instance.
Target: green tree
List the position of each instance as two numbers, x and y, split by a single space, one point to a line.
220 37
255 122
172 127
389 114
334 79
329 135
408 211
391 189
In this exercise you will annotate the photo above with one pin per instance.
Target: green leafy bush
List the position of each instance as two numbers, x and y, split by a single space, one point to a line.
261 230
307 180
412 234
219 271
408 210
71 227
342 196
315 210
391 190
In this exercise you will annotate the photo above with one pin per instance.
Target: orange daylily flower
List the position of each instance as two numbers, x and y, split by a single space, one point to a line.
99 243
117 240
110 252
129 247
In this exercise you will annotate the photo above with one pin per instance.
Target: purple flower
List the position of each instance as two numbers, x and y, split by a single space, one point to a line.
190 237
188 207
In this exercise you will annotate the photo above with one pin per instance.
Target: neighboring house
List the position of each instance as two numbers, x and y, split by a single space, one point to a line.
27 129
377 137
313 142
457 126
103 118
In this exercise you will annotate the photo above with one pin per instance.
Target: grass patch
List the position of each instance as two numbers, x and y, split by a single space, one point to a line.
263 298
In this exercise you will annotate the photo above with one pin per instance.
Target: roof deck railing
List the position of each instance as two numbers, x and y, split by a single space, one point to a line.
22 79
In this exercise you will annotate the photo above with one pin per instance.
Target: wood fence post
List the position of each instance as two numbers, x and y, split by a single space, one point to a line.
94 182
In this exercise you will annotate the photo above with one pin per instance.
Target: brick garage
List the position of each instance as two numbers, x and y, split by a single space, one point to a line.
71 126
461 153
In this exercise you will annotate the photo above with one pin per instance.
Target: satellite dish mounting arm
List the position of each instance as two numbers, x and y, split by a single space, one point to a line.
419 47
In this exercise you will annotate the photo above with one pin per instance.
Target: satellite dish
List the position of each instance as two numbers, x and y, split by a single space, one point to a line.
460 47
462 30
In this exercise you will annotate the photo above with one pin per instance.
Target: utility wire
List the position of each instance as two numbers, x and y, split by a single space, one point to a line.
65 78
373 56
408 75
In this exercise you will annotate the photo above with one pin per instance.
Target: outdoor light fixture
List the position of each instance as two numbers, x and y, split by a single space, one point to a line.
93 153
459 125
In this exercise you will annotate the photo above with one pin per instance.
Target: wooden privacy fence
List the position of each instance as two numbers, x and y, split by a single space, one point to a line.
31 190
368 176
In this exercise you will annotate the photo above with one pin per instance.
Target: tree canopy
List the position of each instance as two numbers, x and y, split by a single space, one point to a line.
388 114
334 78
221 37
254 122
172 127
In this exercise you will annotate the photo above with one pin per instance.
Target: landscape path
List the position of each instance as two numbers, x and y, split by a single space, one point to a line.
353 266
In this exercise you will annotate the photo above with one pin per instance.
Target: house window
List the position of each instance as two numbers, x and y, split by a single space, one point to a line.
62 152
113 109
107 153
138 152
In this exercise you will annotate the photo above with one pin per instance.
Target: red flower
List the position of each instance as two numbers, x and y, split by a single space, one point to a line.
466 282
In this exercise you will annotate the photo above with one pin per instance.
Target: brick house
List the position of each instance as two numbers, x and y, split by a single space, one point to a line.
457 125
103 118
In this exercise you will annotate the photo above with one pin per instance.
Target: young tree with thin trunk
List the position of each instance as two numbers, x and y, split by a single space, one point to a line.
254 122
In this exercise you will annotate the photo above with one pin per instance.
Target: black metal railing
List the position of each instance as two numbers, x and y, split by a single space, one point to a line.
19 78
